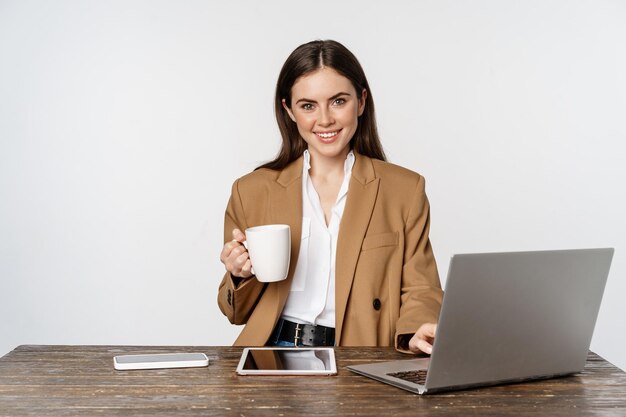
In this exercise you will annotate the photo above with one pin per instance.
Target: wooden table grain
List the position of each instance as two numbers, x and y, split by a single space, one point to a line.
80 381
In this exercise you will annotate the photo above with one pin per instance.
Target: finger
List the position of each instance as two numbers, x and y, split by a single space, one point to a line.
413 344
238 235
428 330
424 346
241 259
420 343
227 250
246 270
243 270
237 250
231 259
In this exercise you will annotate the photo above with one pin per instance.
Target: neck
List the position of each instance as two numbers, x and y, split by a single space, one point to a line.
322 166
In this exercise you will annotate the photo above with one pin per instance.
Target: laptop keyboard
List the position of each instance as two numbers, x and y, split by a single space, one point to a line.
416 377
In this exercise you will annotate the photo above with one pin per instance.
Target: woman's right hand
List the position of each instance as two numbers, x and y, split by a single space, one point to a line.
423 339
235 256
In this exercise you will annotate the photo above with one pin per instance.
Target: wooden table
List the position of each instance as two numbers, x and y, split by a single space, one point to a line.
80 380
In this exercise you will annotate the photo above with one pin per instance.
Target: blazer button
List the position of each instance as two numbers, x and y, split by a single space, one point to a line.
376 304
229 298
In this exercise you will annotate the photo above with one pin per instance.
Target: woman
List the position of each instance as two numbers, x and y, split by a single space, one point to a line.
363 271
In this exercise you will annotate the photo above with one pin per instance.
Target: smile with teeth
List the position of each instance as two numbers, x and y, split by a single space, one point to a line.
327 135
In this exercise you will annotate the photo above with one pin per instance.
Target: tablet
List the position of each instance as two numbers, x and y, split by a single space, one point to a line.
287 361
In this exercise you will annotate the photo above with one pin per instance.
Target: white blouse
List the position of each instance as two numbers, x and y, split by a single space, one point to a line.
312 296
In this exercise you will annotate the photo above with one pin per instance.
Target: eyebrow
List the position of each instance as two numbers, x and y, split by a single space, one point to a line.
308 100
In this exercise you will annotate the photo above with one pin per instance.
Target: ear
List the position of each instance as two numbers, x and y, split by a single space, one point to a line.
362 101
288 110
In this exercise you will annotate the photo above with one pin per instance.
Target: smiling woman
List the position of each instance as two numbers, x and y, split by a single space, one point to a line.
331 184
326 112
303 63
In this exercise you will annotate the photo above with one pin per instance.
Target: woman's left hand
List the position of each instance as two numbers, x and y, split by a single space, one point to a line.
423 339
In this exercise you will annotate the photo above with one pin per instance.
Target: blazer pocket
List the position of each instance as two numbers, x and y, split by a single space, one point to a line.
299 276
380 240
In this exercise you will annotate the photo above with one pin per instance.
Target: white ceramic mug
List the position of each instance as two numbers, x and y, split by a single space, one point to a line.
269 247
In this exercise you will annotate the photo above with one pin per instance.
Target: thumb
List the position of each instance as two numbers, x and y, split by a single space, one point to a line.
238 235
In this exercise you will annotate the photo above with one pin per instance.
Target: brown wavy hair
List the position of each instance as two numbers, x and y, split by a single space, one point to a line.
303 60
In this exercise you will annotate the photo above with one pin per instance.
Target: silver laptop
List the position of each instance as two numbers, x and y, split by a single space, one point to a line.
507 317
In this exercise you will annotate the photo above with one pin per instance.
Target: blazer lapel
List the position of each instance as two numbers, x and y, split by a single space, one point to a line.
362 194
286 208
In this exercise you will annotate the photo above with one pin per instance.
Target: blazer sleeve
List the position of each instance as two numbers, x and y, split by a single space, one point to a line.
237 300
421 293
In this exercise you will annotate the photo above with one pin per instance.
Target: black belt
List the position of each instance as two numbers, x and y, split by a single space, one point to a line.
303 334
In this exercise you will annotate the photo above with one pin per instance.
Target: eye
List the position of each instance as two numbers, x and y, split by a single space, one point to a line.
307 106
339 101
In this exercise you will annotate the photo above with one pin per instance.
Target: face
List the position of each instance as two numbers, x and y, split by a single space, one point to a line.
325 107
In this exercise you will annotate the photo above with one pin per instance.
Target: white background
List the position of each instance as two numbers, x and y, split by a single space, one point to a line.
124 123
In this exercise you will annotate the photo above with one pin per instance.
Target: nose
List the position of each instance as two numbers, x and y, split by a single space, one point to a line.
325 117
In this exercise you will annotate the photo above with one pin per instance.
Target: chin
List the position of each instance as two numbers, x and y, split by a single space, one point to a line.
339 154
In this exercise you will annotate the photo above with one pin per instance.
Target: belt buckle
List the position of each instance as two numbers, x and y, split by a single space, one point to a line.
298 335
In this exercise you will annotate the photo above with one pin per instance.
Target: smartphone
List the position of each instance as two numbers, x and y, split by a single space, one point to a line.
160 361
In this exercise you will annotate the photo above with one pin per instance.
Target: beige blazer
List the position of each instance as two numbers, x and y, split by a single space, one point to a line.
387 283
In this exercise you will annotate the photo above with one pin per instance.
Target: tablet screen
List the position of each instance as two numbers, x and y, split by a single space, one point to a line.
296 361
